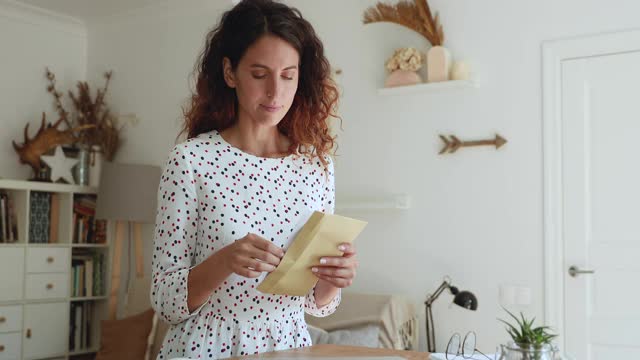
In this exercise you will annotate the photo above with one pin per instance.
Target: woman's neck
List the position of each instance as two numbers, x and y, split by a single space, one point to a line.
257 140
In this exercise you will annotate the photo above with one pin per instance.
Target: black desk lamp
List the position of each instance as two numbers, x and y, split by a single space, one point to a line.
464 299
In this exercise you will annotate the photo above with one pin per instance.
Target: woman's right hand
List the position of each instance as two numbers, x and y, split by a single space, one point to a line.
252 255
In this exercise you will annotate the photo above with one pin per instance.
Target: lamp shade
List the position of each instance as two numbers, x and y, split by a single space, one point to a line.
128 192
466 299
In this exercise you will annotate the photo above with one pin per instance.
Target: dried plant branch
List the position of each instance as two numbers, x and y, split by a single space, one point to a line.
415 15
57 96
91 113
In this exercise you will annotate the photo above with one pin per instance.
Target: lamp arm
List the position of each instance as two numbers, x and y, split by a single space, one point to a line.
431 298
431 336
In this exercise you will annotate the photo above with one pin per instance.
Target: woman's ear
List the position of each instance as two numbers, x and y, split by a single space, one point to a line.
227 71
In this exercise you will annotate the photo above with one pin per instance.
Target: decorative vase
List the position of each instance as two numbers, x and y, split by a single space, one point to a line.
513 351
81 172
95 165
460 71
438 64
402 78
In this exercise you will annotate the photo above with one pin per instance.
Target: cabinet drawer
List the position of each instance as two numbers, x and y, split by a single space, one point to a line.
11 273
10 318
41 260
10 346
47 286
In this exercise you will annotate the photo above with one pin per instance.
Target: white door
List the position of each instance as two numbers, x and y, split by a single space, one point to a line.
600 136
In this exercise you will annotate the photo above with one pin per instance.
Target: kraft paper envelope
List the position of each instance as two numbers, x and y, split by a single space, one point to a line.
319 237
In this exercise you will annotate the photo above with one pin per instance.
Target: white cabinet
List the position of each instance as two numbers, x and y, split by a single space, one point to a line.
45 330
11 273
37 279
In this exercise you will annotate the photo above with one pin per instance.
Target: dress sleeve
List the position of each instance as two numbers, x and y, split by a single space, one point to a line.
328 207
174 239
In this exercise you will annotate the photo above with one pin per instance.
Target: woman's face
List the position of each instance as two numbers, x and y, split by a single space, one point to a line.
266 80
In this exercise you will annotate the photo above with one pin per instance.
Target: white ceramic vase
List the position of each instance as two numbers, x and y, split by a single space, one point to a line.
438 64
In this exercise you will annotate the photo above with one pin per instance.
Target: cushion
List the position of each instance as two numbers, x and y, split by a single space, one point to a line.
366 336
126 338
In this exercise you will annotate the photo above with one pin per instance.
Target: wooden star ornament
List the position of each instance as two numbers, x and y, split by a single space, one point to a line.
61 166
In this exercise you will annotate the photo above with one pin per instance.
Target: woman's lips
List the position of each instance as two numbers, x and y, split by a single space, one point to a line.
271 108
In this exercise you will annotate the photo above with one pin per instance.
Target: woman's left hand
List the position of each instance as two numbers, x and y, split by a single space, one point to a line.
338 271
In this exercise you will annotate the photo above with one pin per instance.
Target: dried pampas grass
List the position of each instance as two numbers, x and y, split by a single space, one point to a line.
414 15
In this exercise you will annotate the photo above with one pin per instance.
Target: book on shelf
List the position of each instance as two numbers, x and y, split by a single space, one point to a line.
39 219
87 230
80 326
87 269
54 218
8 219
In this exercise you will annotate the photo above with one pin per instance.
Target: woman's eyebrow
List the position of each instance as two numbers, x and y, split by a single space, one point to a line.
267 68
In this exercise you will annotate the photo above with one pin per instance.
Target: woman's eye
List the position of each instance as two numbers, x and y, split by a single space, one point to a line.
259 76
287 77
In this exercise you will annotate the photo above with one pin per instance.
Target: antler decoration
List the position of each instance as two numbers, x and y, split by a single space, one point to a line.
47 138
414 15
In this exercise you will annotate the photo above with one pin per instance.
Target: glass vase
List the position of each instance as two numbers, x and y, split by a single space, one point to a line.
82 168
513 351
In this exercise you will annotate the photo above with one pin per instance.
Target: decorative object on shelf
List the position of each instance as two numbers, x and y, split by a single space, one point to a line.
127 195
417 17
403 66
82 170
460 70
47 138
103 128
453 143
60 165
95 166
528 342
438 64
463 299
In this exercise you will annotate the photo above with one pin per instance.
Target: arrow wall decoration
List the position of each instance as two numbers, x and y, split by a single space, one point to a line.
452 144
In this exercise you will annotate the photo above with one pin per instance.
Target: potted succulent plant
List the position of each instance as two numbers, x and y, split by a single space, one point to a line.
528 342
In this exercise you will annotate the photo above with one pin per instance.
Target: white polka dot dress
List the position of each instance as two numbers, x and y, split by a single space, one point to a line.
210 195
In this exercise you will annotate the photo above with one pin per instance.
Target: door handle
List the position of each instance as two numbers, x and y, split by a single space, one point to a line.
574 271
28 333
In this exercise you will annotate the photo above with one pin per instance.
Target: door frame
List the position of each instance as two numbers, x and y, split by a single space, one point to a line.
554 52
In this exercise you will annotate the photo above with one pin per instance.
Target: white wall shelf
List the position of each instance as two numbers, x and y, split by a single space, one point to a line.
393 202
428 87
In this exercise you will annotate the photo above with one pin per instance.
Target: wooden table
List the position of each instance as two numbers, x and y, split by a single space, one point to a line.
325 350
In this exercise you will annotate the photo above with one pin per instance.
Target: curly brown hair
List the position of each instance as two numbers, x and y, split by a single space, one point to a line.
213 105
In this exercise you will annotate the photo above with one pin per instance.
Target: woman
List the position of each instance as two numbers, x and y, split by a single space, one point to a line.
234 195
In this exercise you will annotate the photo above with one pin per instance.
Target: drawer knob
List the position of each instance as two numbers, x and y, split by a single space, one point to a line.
28 333
50 259
2 319
49 286
1 348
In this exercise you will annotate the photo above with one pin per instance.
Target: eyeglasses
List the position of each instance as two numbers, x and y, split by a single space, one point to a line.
467 349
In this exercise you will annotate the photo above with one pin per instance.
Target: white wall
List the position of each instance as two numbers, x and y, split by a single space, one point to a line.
32 39
476 215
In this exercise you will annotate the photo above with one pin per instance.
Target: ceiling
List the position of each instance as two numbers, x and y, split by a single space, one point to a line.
87 9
